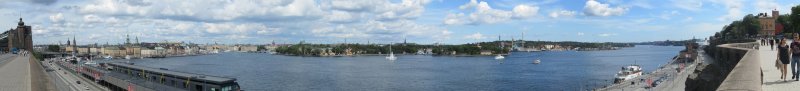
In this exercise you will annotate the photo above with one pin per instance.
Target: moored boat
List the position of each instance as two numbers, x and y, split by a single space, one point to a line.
627 73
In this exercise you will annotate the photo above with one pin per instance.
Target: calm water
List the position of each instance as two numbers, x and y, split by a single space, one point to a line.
560 70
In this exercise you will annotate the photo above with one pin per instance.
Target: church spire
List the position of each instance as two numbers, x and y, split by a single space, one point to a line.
127 39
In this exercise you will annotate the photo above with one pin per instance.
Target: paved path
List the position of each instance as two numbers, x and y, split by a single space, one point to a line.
16 74
772 81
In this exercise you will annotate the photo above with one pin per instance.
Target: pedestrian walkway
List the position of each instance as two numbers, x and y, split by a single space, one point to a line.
16 74
772 76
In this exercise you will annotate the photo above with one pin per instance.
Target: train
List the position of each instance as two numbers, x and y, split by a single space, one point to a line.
119 76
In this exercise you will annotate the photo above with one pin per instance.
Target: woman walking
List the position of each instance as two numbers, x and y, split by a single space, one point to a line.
783 56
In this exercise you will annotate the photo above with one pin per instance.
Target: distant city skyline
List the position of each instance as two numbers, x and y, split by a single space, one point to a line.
376 21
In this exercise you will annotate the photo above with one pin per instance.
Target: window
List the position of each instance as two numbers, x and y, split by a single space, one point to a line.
214 89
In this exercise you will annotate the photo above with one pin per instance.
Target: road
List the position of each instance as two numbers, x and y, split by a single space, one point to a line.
65 79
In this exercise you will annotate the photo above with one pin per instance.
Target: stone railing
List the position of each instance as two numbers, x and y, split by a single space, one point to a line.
739 65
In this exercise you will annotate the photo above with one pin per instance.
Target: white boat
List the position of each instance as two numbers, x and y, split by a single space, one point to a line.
90 62
391 54
537 61
627 73
108 57
127 56
499 57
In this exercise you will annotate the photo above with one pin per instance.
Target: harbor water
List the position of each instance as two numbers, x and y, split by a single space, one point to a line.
559 70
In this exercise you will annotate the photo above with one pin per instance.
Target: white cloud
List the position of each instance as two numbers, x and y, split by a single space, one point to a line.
341 16
455 19
734 9
594 8
692 5
485 14
525 11
475 36
581 33
97 19
562 13
767 5
57 18
607 34
667 15
386 31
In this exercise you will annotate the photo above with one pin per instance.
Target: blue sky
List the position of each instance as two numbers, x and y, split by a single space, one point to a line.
377 21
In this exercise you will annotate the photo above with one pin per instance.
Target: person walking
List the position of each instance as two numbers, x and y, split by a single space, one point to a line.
771 44
796 57
763 41
783 56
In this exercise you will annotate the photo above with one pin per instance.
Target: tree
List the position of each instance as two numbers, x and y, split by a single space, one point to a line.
785 20
795 13
54 48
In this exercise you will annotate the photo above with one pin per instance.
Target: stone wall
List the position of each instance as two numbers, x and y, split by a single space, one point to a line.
735 67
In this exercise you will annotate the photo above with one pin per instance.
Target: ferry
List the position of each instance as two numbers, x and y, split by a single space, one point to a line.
627 73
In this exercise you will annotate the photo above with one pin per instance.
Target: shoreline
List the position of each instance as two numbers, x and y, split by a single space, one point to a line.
460 55
665 75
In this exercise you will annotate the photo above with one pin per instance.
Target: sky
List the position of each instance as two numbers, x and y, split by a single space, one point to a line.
376 21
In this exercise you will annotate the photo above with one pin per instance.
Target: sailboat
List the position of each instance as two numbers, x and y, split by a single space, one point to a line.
391 54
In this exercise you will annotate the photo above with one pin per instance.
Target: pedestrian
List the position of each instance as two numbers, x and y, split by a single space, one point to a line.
795 57
783 56
763 41
771 44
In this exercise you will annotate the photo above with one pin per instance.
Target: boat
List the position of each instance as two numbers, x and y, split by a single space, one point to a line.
391 54
499 57
127 56
627 73
108 57
90 62
537 61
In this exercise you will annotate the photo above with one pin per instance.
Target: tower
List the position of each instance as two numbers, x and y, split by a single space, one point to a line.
74 45
127 39
137 40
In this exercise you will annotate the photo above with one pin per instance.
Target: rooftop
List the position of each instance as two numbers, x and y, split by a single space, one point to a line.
208 78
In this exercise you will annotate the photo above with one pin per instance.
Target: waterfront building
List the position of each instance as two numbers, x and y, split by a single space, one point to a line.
486 52
248 48
768 27
160 51
83 50
114 51
132 49
146 52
